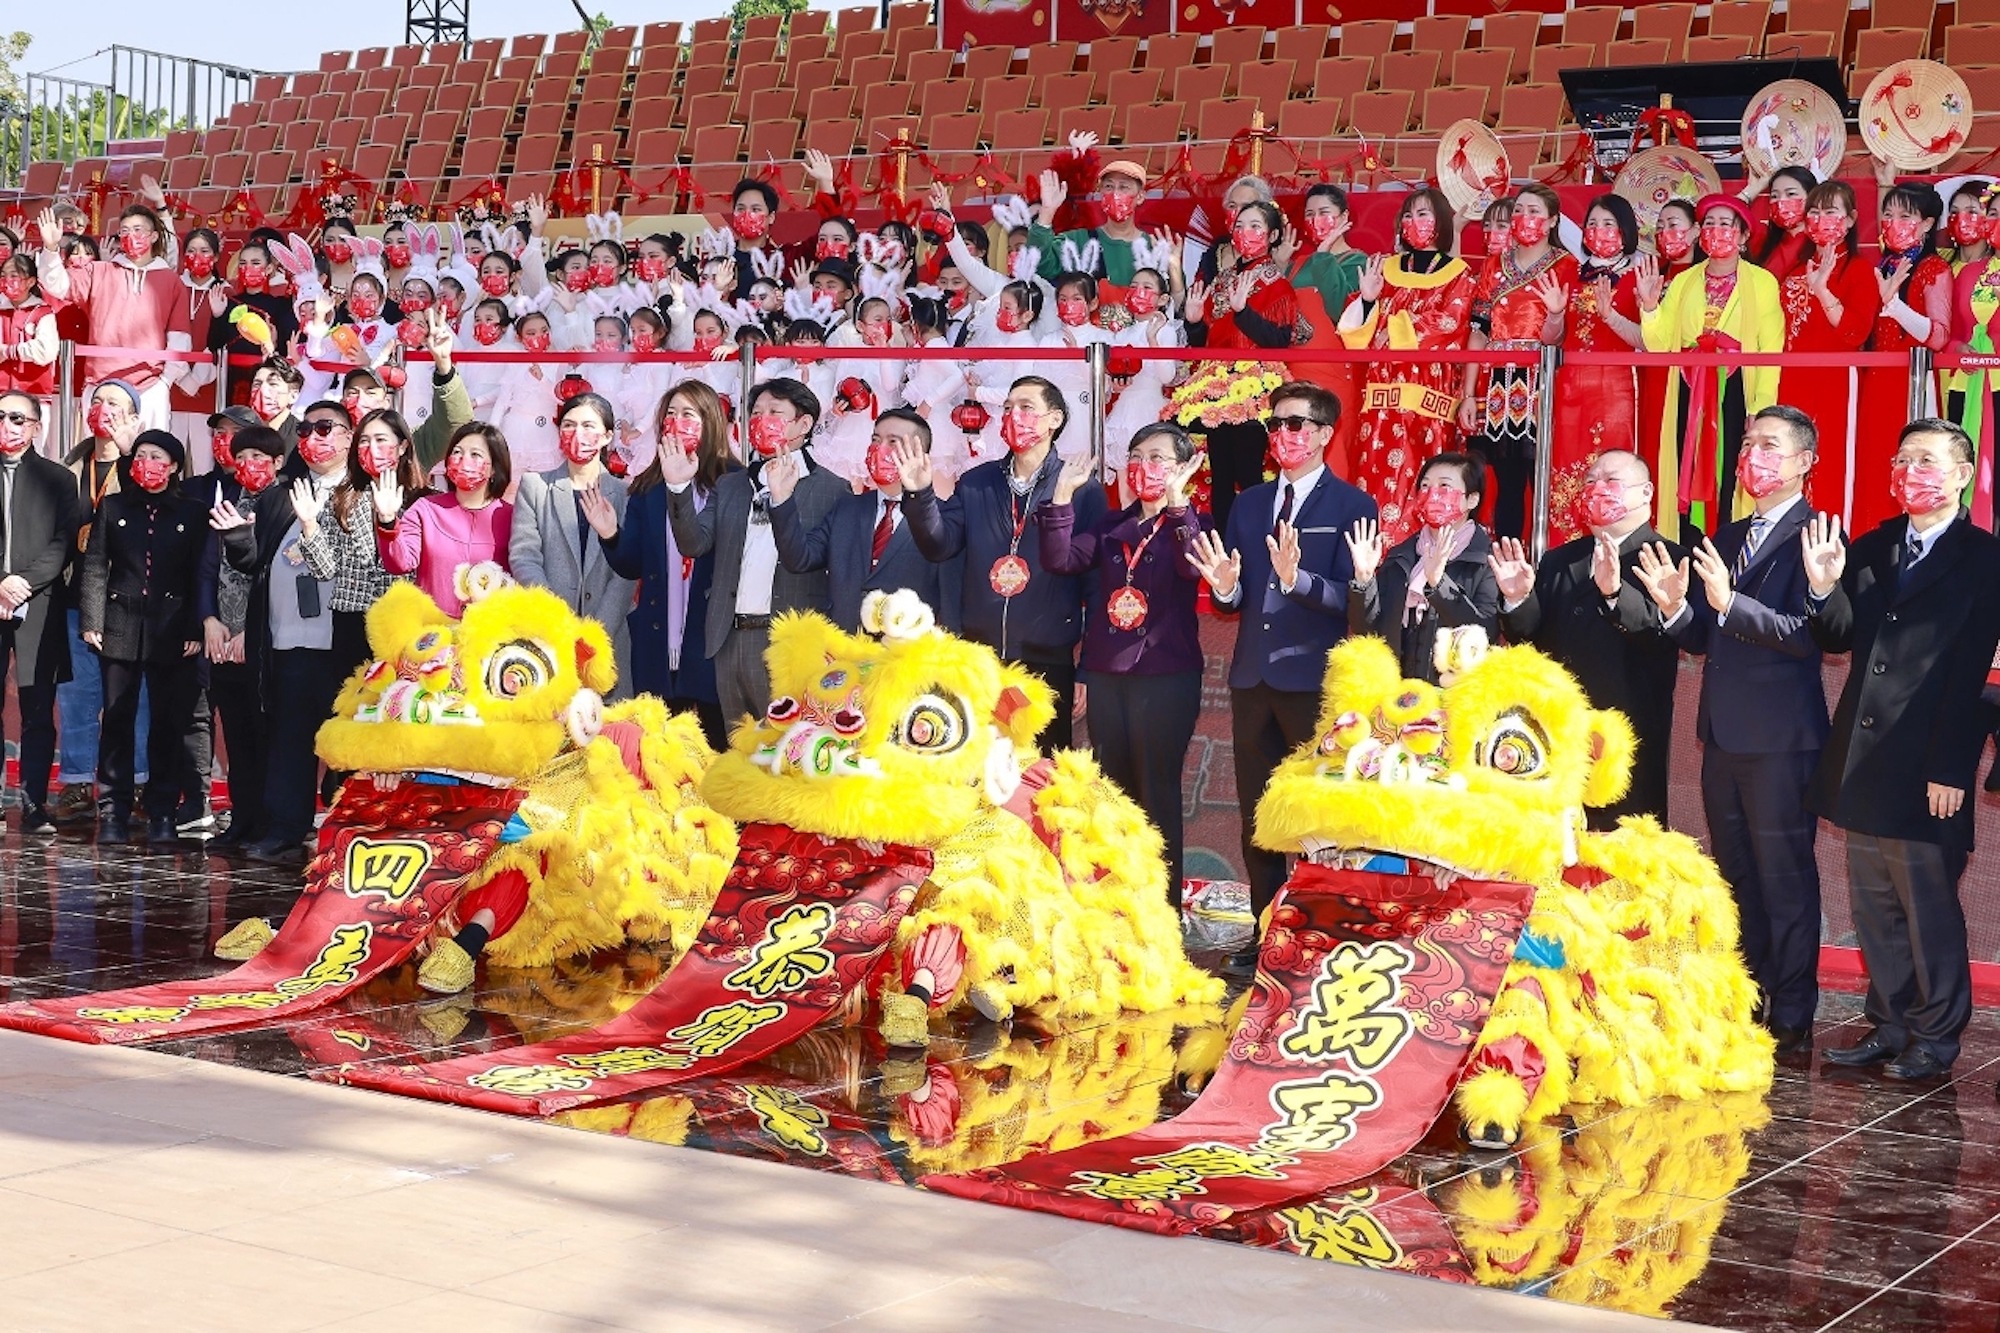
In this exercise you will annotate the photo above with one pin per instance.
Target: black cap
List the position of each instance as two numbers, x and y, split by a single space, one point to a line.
840 268
235 415
166 440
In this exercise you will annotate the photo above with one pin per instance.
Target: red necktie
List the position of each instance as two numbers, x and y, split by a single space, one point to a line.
884 528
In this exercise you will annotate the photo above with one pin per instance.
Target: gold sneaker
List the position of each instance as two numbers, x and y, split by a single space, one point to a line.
248 938
448 970
445 1019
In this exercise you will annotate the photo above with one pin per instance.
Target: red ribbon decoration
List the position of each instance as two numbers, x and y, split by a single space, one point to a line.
1703 422
1663 124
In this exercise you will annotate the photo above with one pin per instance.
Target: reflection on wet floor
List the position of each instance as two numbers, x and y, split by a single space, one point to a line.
1839 1199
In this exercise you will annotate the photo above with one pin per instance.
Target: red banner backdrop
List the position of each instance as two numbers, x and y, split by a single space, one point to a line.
389 865
1371 988
802 924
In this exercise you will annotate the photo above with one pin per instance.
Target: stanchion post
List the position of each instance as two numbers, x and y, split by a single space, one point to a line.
748 349
1545 439
1100 386
1920 382
65 399
222 379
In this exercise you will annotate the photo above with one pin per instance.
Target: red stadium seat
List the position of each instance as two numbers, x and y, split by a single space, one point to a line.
946 97
655 148
1367 37
931 65
835 137
1414 70
1517 33
1638 51
1237 45
1195 84
1670 22
1303 45
1594 26
1715 48
1740 18
1108 55
1168 52
1444 106
1343 76
1480 67
1443 33
809 23
1549 61
986 62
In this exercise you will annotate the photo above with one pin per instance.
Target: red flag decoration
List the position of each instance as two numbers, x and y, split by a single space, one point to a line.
802 923
1371 988
389 865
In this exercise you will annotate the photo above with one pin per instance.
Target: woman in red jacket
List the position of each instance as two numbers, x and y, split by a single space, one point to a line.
28 338
1830 303
1915 285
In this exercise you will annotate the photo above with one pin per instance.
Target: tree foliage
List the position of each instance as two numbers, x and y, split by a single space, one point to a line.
744 10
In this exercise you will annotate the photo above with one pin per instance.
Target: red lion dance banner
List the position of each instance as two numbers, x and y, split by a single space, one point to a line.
802 923
387 868
1371 989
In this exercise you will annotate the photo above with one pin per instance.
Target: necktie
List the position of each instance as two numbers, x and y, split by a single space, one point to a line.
1284 510
884 528
1916 552
1758 527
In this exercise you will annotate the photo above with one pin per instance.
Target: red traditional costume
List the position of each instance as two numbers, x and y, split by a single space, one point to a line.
1408 409
1654 383
1885 391
1826 393
1596 406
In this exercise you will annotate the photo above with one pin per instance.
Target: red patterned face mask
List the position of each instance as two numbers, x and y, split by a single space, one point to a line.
1147 479
536 342
767 435
574 447
1009 320
1919 489
1789 212
577 279
1902 233
467 472
318 450
603 273
1603 240
644 339
1250 242
488 334
1319 226
1142 301
136 247
651 268
1017 430
363 305
1073 312
253 277
705 343
493 284
14 288
255 472
152 474
1529 228
1827 229
750 224
1420 233
378 457
1676 244
1604 502
682 431
1120 206
396 254
1721 240
200 264
1292 448
1440 507
338 252
831 247
1968 228
412 333
882 468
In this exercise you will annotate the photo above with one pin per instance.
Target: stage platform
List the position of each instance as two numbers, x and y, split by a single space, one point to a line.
211 1185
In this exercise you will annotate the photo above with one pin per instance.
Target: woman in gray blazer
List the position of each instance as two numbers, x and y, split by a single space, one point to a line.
553 546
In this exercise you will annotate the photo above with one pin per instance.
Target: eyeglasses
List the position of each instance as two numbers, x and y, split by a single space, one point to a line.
19 419
1296 423
325 426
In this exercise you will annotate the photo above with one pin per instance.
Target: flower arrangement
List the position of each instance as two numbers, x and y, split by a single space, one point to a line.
1216 393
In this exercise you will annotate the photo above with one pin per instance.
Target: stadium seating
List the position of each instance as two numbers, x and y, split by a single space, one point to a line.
437 124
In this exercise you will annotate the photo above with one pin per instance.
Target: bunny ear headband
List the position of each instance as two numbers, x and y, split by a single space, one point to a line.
1149 253
885 252
1027 260
1012 212
1081 259
368 257
716 243
424 247
768 264
799 304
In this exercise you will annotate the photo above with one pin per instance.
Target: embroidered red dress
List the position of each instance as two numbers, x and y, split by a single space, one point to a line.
1408 409
1506 309
1824 393
1885 390
1596 406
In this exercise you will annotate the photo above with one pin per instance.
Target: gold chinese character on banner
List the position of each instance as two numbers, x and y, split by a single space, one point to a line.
1214 1161
1348 1235
787 1117
1317 1115
722 1026
627 1060
789 955
388 868
1160 1183
1354 1010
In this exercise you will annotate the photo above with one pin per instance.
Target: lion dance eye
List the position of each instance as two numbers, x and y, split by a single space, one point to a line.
1515 746
933 724
517 667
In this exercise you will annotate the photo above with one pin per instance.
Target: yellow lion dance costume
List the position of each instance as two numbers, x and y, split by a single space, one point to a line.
610 843
1049 890
1626 985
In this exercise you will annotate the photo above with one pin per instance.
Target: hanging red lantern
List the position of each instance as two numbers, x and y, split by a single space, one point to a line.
570 386
970 416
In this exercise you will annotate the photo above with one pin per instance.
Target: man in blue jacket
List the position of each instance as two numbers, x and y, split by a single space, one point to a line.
1010 602
1763 720
1285 566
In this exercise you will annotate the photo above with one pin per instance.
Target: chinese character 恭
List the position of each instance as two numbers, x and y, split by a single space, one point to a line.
789 955
1165 1183
1348 1236
1213 1161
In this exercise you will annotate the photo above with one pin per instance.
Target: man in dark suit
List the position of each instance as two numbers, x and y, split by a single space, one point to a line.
38 521
1586 608
751 585
1763 712
1917 604
863 544
1285 565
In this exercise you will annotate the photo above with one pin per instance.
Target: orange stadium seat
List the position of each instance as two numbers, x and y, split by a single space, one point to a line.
868 71
931 65
774 141
1875 48
1343 76
1531 106
1414 70
1977 11
1972 44
1718 47
1156 128
1127 88
885 99
907 43
1170 51
657 147
1478 67
1014 131
1224 117
1801 45
815 74
1444 33
1237 45
1443 106
833 137
810 23
756 78
1982 143
1516 32
835 103
1549 61
1816 16
1302 44
986 62
1372 38
1918 14
879 134
1001 95
1108 55
1310 123
1594 26
945 97
1064 92
771 104
1638 51
1381 115
1267 82
1195 84
1672 22
952 141
371 57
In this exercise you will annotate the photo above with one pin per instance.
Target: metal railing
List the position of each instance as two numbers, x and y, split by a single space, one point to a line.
194 93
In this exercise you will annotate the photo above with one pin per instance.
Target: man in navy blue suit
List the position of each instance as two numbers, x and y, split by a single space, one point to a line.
1284 565
1763 717
863 544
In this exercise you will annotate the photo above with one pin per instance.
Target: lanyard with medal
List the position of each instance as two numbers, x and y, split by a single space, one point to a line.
1127 607
98 489
1009 574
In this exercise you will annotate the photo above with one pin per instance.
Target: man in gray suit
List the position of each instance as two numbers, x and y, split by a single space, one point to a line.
558 517
751 585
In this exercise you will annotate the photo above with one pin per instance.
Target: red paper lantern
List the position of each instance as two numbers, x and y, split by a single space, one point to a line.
970 416
393 377
570 386
856 396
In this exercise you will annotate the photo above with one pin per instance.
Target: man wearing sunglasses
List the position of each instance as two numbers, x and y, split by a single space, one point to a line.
38 521
1285 565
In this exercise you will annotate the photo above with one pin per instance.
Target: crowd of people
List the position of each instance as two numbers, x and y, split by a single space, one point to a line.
190 563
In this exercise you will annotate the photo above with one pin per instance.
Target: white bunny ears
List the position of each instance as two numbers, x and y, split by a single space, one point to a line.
1150 253
803 304
425 246
715 243
368 257
604 227
768 264
1027 261
885 252
1013 211
886 284
1082 259
296 257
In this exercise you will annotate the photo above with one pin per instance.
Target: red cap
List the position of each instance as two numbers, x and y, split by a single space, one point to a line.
1719 200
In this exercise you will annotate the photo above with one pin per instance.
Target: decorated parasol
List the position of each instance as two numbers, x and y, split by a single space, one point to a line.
1915 114
1792 123
1472 168
1652 176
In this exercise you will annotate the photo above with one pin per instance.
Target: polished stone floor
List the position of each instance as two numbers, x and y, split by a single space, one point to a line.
1836 1202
